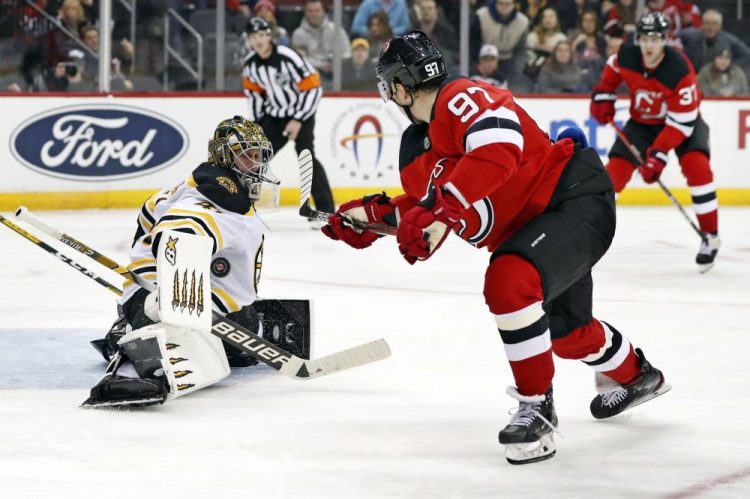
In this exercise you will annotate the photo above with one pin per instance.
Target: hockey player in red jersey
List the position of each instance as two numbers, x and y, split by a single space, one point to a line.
474 162
664 115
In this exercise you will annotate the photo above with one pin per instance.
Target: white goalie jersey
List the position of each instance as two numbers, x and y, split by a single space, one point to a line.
209 203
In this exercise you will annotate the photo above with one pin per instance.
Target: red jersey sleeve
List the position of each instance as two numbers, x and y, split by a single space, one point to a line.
611 77
682 113
483 126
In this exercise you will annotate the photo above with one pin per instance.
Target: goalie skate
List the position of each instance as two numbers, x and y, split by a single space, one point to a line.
529 437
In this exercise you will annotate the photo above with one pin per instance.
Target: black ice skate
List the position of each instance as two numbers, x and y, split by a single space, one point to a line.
649 384
528 438
707 252
116 390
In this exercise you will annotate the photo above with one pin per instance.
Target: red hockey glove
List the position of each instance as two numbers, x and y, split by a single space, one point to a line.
656 160
424 228
603 106
370 209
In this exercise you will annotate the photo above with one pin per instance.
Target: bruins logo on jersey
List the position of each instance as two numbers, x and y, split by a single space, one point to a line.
228 184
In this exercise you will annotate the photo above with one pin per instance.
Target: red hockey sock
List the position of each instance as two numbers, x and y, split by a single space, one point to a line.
700 179
513 292
620 171
603 348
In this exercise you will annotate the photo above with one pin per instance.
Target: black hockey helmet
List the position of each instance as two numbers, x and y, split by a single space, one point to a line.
652 23
412 60
257 25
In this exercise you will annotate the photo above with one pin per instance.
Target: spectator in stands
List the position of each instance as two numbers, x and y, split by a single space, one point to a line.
589 48
267 10
380 32
397 12
679 14
546 34
358 72
560 74
439 31
122 58
487 67
533 9
570 11
317 37
624 11
702 45
589 44
542 41
722 78
61 49
501 24
72 19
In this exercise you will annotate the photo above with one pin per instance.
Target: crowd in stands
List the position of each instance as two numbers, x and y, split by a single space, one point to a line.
544 46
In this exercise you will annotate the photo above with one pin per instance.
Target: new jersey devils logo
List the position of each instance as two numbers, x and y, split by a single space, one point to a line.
649 104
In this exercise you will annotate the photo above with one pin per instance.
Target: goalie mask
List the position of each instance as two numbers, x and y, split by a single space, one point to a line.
241 146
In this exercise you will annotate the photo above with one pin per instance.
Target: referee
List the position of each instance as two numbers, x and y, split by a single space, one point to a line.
284 90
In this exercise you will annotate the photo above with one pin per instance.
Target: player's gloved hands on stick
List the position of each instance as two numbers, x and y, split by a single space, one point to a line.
370 209
603 106
423 229
656 160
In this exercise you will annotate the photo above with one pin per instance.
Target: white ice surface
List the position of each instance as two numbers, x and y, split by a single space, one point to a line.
421 424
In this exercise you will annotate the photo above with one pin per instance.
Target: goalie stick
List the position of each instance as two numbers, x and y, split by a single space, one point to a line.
228 330
639 159
54 252
305 163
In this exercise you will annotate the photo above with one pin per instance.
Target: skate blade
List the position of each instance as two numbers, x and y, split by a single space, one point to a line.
664 388
705 267
531 452
121 404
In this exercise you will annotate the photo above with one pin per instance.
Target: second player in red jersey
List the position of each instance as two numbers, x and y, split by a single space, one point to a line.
664 116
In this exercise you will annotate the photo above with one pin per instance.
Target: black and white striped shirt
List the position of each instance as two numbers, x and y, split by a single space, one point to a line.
283 86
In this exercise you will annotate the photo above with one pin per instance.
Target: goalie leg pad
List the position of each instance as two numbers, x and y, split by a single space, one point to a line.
193 360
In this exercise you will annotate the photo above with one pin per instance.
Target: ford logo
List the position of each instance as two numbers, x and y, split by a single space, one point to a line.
98 142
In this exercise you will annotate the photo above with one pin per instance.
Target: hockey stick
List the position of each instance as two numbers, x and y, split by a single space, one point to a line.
229 331
52 251
637 156
305 163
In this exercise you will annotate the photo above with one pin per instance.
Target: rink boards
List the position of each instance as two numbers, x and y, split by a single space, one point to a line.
114 151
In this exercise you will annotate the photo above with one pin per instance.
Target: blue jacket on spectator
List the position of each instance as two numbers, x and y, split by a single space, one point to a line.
398 15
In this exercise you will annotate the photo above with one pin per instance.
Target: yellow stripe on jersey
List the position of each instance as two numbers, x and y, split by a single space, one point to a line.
176 224
190 182
206 217
145 223
143 262
228 301
151 203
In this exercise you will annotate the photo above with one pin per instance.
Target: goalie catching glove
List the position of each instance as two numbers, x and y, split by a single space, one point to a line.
424 228
375 208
